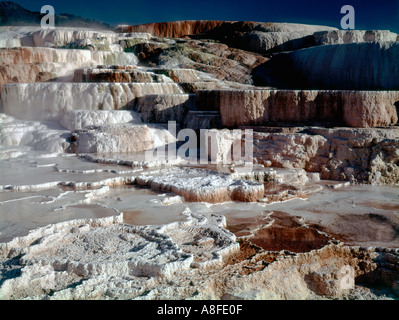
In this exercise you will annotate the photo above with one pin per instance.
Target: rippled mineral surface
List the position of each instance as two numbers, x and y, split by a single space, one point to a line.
92 206
76 229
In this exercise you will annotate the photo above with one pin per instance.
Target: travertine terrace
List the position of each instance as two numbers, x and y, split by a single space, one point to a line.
87 213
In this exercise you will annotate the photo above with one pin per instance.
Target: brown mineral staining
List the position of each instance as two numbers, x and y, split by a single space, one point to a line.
288 233
262 107
384 206
251 257
174 29
247 250
297 239
275 192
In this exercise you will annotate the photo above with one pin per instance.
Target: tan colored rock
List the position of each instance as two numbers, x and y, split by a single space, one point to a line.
263 107
370 108
29 65
26 73
302 276
362 155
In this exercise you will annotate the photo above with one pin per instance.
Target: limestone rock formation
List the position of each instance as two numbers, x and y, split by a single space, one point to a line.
46 137
34 64
127 74
164 108
99 257
350 66
173 29
265 107
71 38
357 155
34 72
122 138
182 75
247 35
79 119
353 36
206 186
26 55
102 200
25 102
218 60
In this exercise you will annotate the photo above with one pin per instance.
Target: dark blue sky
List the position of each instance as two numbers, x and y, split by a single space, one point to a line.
383 14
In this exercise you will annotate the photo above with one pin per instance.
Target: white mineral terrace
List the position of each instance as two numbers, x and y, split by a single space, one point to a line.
101 197
99 220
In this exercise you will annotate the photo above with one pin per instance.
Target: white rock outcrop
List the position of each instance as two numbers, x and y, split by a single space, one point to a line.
79 58
19 36
55 255
48 137
79 119
122 138
202 185
49 101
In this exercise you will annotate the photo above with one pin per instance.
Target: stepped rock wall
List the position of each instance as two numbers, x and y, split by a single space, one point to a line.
49 101
265 107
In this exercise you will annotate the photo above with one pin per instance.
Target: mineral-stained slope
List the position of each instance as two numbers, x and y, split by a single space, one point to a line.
37 64
247 35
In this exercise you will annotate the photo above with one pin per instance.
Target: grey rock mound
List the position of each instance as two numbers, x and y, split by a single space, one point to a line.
350 66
